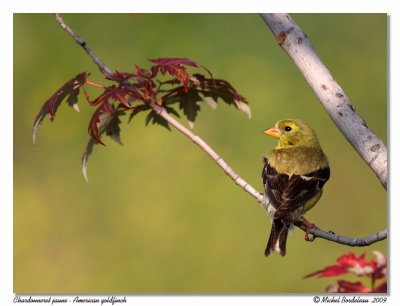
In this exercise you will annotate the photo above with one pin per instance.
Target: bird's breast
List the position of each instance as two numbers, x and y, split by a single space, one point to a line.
297 160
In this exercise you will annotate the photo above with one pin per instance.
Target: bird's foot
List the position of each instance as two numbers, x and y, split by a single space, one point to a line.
309 226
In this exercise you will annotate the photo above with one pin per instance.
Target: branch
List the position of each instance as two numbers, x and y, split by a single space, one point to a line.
360 242
107 73
220 162
296 44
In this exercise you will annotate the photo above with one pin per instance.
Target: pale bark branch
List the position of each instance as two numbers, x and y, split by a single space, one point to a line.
107 72
220 162
296 44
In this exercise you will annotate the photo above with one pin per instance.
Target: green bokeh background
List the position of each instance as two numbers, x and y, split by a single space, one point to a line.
158 215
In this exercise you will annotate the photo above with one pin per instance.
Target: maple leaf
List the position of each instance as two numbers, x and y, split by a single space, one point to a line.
86 155
143 73
113 92
71 90
210 90
175 67
95 122
191 106
108 123
350 260
347 263
328 271
189 102
122 76
352 287
379 267
344 286
381 289
381 260
154 118
218 88
137 110
375 270
112 128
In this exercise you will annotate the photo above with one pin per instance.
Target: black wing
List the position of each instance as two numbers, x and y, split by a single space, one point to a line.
287 194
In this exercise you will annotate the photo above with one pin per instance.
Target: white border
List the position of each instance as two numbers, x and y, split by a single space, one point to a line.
173 6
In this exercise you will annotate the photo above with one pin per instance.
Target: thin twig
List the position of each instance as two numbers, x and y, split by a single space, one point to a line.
107 73
221 163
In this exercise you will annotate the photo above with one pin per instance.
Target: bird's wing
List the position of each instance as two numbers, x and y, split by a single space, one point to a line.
287 194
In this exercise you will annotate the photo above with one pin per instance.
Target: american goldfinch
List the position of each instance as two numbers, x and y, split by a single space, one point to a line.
293 175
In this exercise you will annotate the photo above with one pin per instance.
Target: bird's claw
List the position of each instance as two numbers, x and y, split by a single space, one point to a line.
309 227
307 238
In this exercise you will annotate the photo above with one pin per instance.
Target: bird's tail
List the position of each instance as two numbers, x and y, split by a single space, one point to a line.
277 238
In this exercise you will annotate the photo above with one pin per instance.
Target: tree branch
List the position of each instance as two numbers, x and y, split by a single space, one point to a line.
220 162
360 242
296 44
107 72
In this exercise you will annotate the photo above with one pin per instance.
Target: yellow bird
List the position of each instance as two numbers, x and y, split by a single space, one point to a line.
293 175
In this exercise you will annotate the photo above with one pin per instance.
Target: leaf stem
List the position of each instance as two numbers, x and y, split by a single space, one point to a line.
94 84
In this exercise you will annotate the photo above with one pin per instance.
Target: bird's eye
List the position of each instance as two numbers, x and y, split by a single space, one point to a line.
288 128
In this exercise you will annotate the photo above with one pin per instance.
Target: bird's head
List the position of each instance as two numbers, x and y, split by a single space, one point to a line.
293 133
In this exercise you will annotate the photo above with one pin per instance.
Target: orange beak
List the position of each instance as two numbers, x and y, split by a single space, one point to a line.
274 132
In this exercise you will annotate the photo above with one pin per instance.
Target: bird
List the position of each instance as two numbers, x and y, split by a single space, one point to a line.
294 173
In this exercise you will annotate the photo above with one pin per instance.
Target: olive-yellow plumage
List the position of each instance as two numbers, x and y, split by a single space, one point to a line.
293 175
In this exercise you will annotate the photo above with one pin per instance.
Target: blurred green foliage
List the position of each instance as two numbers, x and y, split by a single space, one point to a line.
158 215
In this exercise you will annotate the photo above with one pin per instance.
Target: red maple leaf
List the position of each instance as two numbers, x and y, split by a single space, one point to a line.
375 270
113 92
346 263
329 271
174 66
351 260
122 76
70 89
142 73
381 289
352 287
93 128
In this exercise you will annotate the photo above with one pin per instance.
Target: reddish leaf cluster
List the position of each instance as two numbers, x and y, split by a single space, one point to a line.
376 270
136 91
